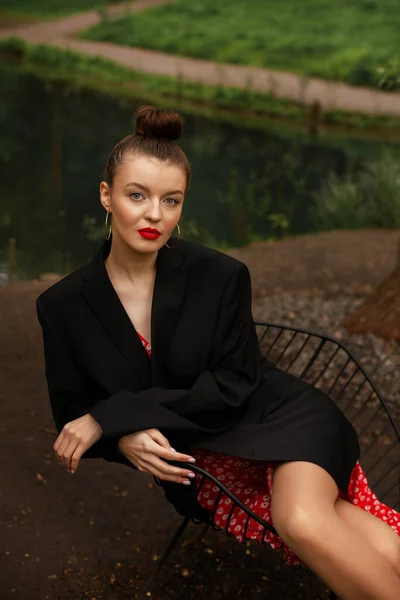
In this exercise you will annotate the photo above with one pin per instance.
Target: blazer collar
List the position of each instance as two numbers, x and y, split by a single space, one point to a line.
167 299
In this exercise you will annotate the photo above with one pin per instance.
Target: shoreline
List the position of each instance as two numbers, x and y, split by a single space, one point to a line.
267 113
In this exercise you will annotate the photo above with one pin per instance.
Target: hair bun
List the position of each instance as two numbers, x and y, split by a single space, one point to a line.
155 122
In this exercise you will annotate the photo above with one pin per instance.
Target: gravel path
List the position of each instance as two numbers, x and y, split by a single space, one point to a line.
330 95
329 260
322 312
313 281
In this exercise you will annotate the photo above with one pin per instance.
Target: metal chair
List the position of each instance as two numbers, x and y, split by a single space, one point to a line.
325 363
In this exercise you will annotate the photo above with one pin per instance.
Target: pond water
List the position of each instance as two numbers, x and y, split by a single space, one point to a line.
53 148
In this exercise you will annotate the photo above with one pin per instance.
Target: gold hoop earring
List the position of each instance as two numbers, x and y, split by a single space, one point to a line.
179 237
107 234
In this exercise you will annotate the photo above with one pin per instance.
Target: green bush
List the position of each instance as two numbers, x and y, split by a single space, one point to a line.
357 66
65 61
371 199
389 75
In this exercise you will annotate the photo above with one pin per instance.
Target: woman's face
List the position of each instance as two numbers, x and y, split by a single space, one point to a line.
146 194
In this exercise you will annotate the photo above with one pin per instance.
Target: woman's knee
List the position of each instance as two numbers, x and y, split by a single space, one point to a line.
303 497
294 522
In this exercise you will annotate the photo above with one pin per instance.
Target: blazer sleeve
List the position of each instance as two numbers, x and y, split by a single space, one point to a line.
66 389
220 394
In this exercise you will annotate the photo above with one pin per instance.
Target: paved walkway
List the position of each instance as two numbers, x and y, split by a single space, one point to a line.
62 32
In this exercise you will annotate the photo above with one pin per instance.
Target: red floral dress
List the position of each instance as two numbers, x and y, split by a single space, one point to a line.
251 482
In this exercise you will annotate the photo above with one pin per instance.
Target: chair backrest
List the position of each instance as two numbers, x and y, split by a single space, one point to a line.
324 362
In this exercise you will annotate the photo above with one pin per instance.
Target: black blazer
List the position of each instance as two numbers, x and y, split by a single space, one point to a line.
205 385
205 355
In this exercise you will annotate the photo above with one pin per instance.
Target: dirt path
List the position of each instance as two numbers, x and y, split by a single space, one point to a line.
335 261
61 33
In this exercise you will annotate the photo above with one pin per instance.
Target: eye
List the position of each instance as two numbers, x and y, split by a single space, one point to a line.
174 201
135 194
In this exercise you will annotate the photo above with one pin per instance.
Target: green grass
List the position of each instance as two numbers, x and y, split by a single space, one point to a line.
48 8
344 40
230 104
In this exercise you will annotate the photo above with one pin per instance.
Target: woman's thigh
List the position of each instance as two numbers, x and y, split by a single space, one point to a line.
303 497
380 535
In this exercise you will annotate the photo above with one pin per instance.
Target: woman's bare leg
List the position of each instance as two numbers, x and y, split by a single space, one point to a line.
303 513
379 534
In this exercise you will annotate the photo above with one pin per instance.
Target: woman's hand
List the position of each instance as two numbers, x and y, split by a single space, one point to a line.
75 438
146 449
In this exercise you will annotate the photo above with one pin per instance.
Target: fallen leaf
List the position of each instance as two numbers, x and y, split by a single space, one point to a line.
48 430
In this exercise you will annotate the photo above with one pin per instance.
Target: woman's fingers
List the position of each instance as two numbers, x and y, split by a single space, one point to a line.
163 470
65 450
67 453
57 445
149 450
169 454
158 437
61 448
74 439
76 457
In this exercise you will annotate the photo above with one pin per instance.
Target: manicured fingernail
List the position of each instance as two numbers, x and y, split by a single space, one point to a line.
186 483
191 475
72 471
191 460
172 449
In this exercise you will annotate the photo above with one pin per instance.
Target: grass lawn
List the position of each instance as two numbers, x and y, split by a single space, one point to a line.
48 8
343 40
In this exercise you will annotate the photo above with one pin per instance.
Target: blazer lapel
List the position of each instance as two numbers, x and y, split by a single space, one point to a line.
167 300
104 301
167 296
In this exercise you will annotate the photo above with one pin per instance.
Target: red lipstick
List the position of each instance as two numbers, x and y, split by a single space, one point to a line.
149 233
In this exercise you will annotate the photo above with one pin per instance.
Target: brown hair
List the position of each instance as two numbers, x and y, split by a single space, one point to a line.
155 133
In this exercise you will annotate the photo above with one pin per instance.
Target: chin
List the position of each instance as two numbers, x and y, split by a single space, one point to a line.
144 246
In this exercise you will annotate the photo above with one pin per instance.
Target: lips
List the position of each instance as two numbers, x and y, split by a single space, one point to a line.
149 233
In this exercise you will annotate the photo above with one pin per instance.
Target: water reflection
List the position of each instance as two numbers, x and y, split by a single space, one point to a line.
54 146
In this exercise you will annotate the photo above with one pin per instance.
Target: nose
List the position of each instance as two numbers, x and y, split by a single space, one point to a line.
153 211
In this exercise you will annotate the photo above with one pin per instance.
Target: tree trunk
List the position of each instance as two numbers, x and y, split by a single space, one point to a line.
380 313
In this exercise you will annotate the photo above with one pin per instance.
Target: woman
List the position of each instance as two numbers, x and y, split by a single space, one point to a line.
152 356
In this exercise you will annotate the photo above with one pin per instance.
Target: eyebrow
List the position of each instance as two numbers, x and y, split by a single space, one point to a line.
146 189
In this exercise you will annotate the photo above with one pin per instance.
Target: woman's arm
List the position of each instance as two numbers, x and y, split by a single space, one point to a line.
219 396
66 389
78 430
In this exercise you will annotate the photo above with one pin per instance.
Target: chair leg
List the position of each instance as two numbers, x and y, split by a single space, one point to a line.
144 594
204 530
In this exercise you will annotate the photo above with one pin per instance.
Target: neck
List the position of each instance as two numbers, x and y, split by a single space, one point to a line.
126 262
